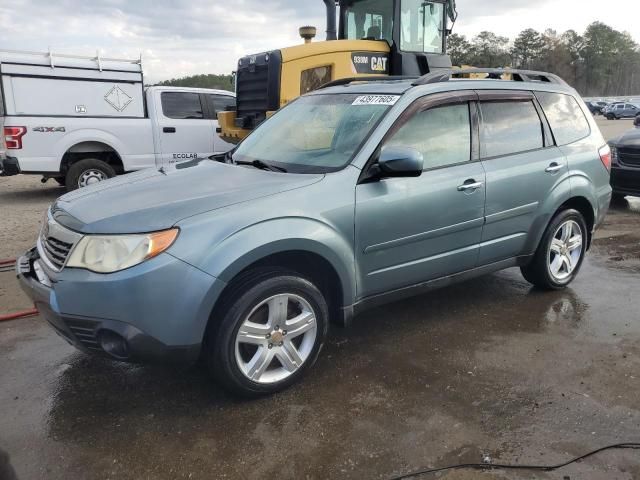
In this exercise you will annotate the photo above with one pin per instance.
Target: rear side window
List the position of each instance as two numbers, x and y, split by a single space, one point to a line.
181 105
509 127
565 116
441 134
220 103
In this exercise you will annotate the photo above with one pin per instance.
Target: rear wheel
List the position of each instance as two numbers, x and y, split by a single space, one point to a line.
88 172
271 331
560 253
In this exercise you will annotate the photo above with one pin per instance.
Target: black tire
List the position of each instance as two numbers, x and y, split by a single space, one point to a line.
85 166
220 345
538 272
60 181
617 198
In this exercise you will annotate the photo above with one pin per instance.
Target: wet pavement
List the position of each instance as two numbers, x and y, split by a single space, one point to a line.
486 366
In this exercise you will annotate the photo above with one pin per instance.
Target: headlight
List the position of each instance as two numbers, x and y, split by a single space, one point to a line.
111 253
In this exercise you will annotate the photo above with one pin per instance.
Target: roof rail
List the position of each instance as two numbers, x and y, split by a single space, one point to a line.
376 78
517 75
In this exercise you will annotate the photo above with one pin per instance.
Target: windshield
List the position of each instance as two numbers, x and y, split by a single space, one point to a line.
370 19
422 26
315 134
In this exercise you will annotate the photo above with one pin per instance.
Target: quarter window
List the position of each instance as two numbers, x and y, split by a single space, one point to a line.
441 134
181 105
565 116
509 127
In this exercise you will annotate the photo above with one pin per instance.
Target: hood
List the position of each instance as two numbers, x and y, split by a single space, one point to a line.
630 138
151 200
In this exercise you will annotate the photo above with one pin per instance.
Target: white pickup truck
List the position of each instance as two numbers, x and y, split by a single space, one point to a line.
80 120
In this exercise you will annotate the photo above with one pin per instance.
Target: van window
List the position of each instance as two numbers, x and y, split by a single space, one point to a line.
565 116
441 134
181 105
509 127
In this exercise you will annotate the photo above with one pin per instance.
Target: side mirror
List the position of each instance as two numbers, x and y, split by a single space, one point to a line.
398 161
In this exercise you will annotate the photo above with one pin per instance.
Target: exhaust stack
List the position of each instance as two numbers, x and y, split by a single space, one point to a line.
331 19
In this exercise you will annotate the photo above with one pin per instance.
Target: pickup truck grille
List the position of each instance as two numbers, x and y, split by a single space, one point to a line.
629 156
257 87
55 243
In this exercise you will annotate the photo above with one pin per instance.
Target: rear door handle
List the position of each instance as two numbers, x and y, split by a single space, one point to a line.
169 129
553 168
472 185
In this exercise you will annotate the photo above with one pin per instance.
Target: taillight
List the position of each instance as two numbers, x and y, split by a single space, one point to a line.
605 156
13 137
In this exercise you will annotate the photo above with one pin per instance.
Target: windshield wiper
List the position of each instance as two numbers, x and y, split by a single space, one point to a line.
261 165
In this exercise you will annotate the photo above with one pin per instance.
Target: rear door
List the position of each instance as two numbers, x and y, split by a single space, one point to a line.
185 131
216 103
522 165
411 230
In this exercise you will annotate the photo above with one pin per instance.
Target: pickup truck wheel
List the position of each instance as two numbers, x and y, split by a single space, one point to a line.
271 332
560 253
87 172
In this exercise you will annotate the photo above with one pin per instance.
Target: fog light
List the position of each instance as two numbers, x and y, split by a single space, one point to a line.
114 344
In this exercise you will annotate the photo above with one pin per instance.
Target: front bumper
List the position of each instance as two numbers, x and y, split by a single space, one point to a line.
625 181
8 166
90 310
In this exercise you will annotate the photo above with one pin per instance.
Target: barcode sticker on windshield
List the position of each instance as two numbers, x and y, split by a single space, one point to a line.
376 100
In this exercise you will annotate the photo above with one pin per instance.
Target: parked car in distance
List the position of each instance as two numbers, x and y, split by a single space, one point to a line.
81 120
595 107
348 197
621 110
625 163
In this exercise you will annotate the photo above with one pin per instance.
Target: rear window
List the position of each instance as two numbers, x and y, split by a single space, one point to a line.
565 116
181 105
509 127
221 103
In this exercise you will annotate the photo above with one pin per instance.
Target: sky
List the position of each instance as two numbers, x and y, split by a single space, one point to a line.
185 37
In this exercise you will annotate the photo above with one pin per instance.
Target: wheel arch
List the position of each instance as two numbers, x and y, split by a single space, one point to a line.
90 143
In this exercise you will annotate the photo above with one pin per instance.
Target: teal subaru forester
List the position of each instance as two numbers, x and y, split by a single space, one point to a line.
356 194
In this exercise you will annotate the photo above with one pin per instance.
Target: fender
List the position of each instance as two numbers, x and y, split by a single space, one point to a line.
561 192
257 241
87 135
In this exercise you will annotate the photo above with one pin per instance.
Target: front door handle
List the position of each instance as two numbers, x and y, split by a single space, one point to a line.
553 168
469 185
169 129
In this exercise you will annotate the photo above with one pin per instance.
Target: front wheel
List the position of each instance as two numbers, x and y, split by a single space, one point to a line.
560 253
271 332
88 172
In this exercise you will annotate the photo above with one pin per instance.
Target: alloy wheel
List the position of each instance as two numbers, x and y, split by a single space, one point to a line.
91 176
565 250
276 338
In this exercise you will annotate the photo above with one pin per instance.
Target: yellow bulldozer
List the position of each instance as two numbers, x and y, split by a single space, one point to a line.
373 38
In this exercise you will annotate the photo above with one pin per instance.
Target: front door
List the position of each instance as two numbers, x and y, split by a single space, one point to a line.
522 165
184 131
411 230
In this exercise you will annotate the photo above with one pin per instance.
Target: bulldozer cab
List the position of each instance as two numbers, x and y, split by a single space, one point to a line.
415 31
364 38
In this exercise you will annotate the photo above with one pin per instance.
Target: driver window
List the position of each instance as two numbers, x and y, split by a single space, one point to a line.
441 134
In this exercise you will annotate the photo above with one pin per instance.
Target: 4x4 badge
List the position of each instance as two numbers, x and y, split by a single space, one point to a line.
118 98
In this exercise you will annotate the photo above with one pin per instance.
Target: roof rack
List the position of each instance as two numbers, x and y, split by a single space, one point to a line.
50 57
376 78
517 75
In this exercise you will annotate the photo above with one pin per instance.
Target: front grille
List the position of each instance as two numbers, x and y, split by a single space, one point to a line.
257 88
56 251
84 331
629 156
56 242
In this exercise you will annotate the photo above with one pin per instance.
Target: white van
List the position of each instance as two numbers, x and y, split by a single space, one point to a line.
80 120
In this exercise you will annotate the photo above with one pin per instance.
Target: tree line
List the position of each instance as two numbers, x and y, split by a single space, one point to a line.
209 80
601 62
